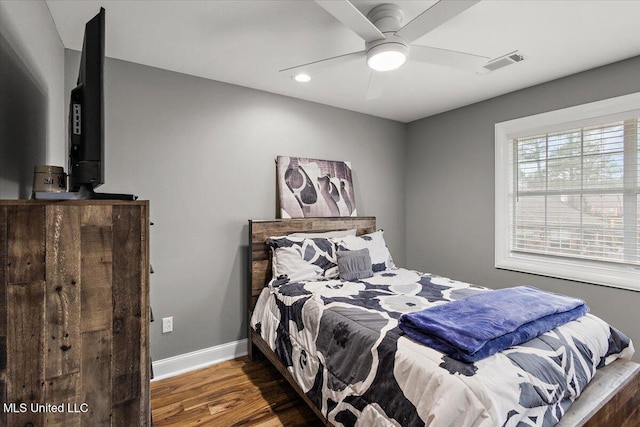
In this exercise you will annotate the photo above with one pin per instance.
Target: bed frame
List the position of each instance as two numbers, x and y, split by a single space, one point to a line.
612 398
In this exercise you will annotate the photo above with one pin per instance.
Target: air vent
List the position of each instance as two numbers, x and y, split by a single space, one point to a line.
503 61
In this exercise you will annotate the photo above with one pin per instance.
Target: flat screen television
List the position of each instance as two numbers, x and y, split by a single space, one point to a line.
86 118
86 112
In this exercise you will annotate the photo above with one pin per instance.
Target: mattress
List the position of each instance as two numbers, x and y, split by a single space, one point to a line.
341 342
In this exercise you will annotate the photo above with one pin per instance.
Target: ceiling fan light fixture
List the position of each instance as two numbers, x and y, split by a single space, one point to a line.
387 56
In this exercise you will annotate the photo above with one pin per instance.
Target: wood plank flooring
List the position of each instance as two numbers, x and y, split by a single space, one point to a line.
238 392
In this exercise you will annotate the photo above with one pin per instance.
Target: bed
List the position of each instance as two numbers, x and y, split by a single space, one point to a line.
373 395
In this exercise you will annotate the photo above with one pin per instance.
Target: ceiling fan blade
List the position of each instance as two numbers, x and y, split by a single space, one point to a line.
375 88
347 13
335 60
433 17
448 58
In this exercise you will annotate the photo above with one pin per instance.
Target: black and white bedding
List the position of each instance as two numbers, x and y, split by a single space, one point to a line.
341 342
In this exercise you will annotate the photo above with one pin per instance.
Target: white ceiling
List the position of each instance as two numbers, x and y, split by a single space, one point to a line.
246 42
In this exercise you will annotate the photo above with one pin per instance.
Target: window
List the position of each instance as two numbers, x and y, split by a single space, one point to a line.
568 193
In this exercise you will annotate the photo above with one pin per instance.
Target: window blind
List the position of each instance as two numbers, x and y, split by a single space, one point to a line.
575 193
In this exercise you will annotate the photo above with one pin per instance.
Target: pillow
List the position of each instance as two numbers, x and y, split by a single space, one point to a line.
326 234
303 259
380 257
354 265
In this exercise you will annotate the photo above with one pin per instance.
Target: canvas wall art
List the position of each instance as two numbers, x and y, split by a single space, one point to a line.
314 188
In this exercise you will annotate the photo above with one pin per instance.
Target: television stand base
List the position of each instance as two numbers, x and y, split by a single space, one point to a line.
82 194
111 196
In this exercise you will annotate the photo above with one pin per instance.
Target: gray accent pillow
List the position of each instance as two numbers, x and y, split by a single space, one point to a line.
380 257
354 265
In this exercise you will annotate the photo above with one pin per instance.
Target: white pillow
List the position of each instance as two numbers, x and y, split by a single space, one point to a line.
287 261
380 257
303 259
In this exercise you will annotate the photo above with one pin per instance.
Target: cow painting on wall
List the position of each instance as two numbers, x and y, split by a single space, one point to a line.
314 188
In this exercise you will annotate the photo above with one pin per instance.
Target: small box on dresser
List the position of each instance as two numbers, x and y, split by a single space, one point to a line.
74 310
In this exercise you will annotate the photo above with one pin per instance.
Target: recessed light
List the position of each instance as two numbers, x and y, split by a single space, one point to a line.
302 77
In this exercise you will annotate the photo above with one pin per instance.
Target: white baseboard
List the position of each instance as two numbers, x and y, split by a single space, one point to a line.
198 359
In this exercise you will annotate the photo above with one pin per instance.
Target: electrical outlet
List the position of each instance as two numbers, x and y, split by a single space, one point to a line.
167 324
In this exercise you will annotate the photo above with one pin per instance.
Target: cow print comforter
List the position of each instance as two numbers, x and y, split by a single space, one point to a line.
341 342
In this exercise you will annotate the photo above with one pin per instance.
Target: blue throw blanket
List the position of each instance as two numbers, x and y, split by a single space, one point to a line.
480 325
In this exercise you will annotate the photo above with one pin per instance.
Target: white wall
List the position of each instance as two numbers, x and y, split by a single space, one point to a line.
203 153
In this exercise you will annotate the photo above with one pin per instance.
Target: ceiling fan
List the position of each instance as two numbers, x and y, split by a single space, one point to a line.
387 42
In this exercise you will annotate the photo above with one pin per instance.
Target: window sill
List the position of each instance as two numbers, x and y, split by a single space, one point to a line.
622 277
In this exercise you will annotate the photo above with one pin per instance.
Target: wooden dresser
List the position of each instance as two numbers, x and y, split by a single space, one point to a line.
74 313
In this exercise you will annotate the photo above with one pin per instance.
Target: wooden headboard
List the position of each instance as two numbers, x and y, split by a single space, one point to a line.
260 254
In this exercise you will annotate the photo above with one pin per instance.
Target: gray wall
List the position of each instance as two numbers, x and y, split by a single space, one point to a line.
203 153
450 189
31 98
23 125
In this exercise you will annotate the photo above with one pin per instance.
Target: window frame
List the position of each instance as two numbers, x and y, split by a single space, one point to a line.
619 276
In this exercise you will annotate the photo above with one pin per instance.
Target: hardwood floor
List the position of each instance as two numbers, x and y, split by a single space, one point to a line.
238 392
